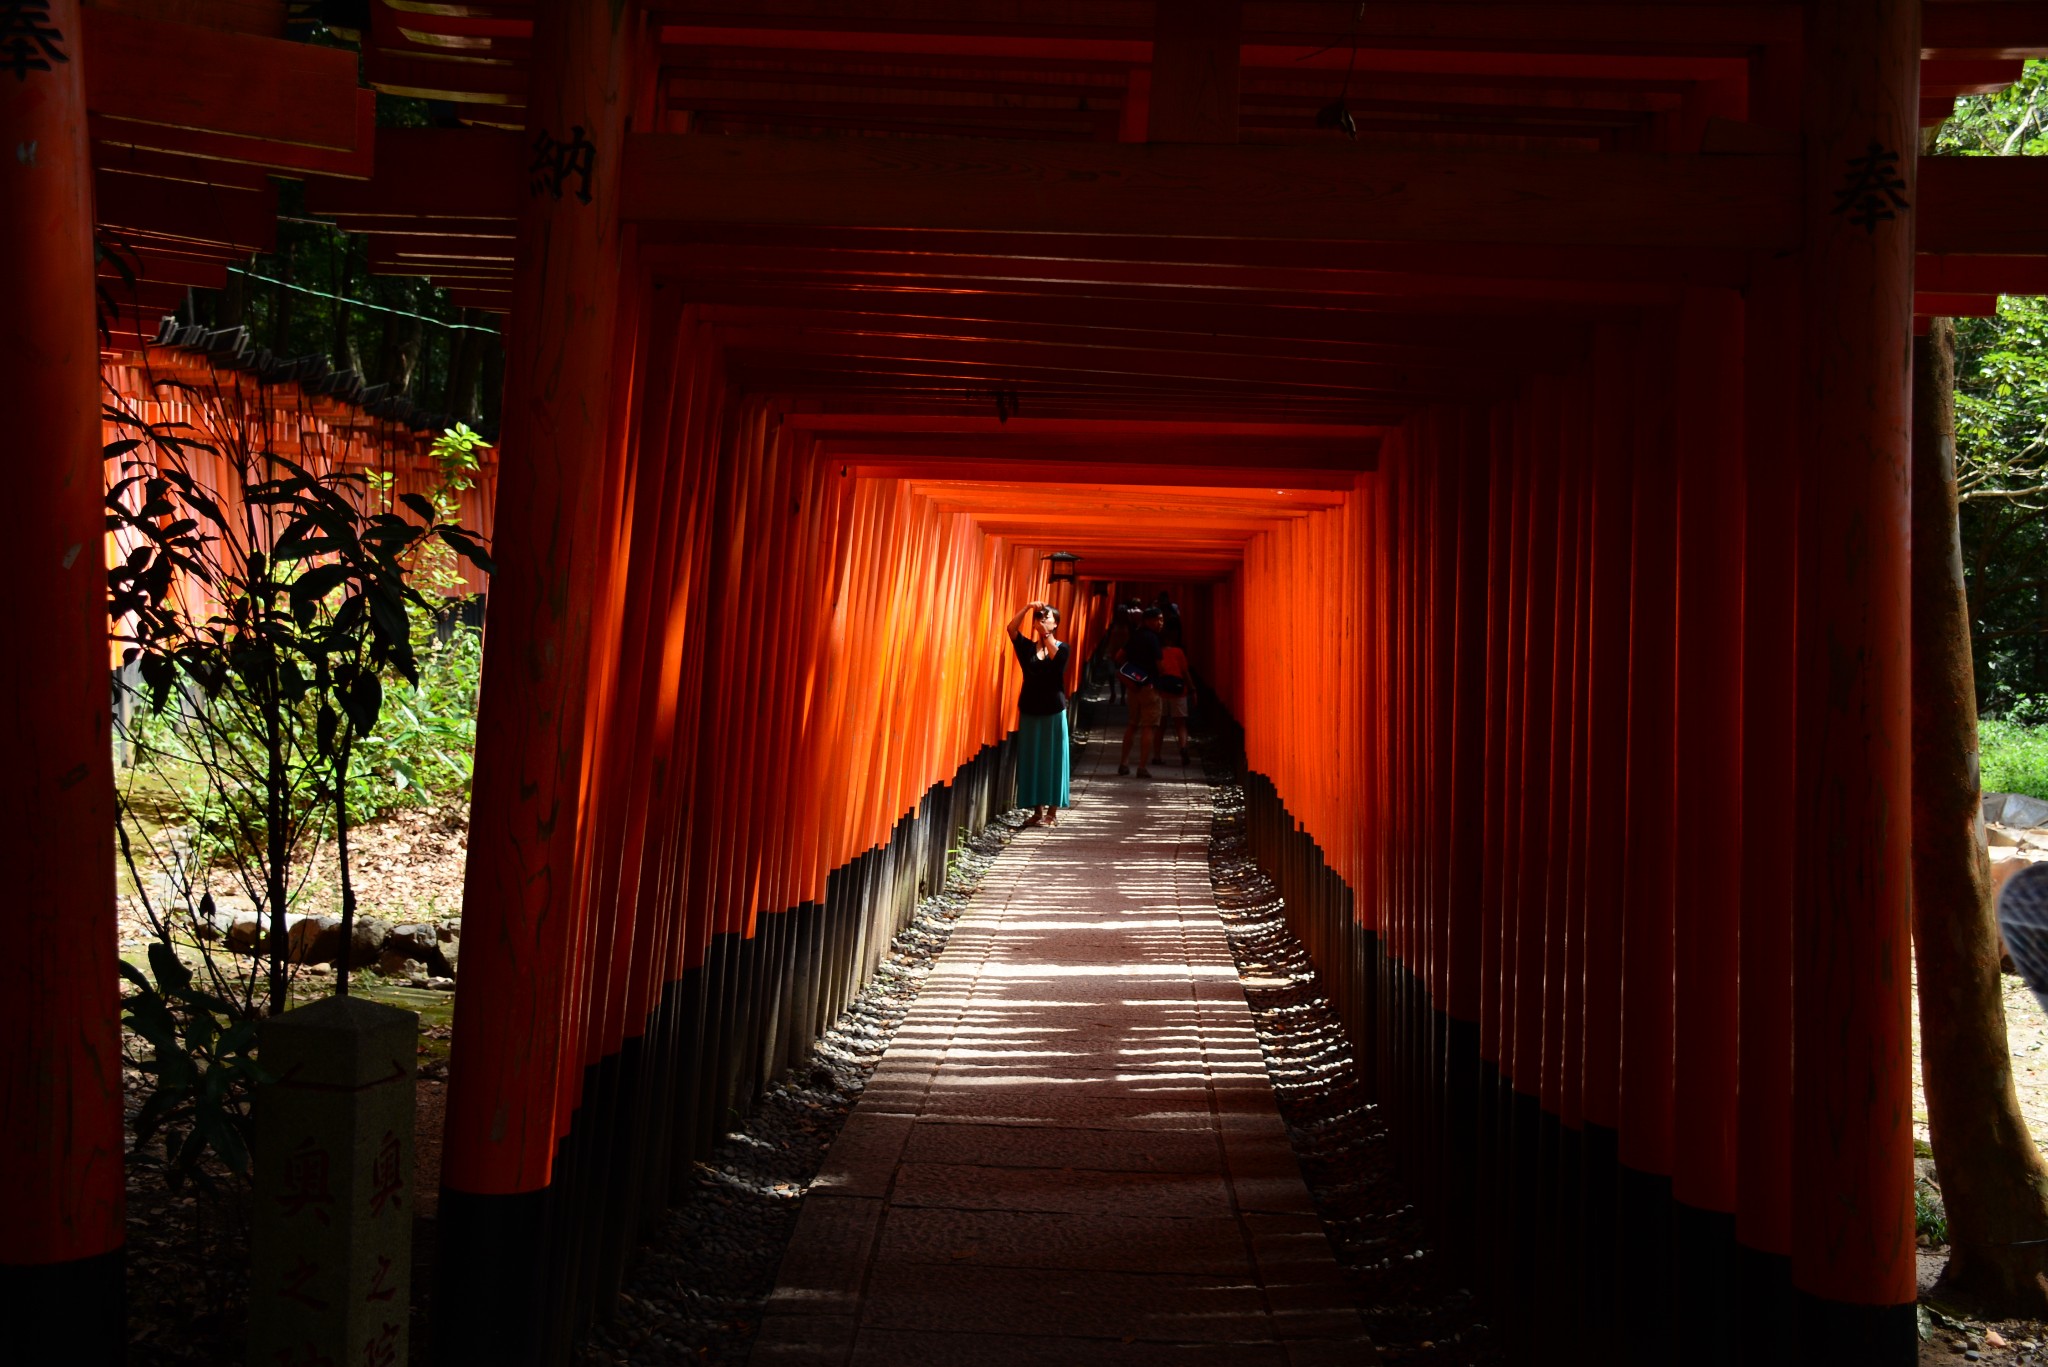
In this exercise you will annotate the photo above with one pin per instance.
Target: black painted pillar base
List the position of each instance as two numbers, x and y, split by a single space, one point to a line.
1600 1187
71 1313
1704 1285
1769 1312
1835 1334
489 1301
1643 1229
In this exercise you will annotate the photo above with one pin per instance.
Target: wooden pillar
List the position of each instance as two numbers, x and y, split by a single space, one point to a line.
1708 457
1607 691
1538 847
1770 697
1643 1188
517 1045
61 1207
1852 1162
1470 799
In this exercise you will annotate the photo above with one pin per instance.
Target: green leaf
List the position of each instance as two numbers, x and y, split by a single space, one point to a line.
316 583
363 699
464 545
171 973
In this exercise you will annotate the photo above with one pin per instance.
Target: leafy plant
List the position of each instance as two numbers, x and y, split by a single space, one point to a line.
1930 1220
2013 749
421 752
271 603
200 1055
2002 429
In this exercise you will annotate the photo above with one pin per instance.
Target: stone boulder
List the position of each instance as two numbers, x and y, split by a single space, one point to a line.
422 944
392 964
367 941
2023 812
312 939
317 940
1994 807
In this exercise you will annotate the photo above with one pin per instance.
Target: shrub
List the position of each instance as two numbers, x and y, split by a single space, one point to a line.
2013 749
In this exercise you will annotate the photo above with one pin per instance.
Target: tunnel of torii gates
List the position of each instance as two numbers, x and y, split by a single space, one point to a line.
1531 466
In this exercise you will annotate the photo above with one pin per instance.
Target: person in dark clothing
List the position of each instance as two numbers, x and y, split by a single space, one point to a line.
1043 766
1122 617
1142 653
1169 619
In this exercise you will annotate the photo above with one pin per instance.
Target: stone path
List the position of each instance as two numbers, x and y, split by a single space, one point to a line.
1071 1153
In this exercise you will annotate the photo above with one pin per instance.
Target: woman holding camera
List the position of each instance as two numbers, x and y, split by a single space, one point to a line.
1042 757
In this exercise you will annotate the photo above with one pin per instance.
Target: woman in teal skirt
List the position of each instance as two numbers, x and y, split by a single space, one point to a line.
1042 766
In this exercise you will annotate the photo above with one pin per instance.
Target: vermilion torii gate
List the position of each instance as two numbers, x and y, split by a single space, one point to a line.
1535 456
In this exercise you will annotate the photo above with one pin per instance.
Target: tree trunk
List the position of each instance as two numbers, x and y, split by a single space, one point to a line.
398 357
233 304
490 403
1993 1181
281 308
465 369
342 350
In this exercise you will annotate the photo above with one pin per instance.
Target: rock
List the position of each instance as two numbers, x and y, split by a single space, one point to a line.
2023 811
422 944
2000 838
2034 840
413 941
446 933
366 941
392 964
450 951
234 922
441 984
312 939
1994 806
317 940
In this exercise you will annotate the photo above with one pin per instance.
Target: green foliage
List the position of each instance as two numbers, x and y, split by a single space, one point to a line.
422 752
200 1057
2013 750
2008 123
458 454
269 614
2002 430
1930 1218
264 620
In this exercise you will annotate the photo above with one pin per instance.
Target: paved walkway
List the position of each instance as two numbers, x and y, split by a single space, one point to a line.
1070 1153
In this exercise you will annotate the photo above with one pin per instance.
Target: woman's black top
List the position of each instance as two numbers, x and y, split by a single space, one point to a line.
1044 680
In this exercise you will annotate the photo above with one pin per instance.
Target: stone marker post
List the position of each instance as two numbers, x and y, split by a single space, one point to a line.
332 1236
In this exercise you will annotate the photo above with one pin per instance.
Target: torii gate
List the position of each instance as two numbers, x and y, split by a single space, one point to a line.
748 385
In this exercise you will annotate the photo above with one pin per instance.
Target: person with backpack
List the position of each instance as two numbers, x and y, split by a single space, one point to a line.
1140 662
1176 684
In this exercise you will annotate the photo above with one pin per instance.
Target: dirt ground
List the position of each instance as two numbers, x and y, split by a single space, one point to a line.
406 868
1952 1337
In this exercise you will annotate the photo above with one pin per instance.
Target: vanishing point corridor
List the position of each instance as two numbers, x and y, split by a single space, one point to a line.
1071 1151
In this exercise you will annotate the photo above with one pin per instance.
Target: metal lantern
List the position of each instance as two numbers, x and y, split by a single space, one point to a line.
1062 563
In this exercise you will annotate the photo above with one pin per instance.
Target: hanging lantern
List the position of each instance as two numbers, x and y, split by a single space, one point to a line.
1062 567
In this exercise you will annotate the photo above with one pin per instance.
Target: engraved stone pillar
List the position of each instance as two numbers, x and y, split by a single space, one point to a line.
332 1239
